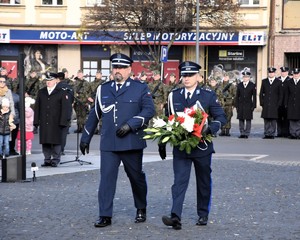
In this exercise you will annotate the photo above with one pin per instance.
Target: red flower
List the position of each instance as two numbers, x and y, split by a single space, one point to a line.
171 117
180 119
197 129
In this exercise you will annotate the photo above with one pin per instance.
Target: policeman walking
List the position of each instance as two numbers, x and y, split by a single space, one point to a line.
178 100
125 106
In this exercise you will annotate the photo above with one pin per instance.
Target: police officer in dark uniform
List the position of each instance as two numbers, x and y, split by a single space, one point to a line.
125 106
270 97
178 100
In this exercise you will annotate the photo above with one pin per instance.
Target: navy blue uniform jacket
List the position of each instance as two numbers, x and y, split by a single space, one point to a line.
132 104
210 104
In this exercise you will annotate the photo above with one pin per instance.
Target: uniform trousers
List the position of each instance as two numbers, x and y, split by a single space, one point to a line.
295 128
270 127
182 171
51 150
110 162
245 130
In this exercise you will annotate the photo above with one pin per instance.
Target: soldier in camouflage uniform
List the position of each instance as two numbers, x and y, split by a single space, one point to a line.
159 93
67 79
32 85
228 92
12 84
81 95
200 80
213 85
93 90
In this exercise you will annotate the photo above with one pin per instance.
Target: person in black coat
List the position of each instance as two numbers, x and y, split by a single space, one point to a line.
51 114
245 103
271 97
292 102
282 121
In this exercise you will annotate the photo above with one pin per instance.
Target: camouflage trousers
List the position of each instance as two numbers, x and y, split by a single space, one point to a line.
229 113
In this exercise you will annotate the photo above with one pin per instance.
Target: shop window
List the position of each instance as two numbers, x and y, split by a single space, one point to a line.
249 2
90 68
92 3
291 17
10 2
52 2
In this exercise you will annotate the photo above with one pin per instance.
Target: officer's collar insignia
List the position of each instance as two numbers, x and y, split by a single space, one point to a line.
182 91
127 84
197 91
112 84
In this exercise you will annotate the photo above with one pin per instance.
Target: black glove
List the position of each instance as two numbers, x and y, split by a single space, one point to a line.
123 130
84 148
162 150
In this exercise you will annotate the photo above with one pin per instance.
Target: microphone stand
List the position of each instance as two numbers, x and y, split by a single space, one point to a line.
77 157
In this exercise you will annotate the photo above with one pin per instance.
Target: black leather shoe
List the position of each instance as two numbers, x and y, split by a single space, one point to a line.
103 222
140 216
246 136
46 164
172 221
202 221
242 136
54 164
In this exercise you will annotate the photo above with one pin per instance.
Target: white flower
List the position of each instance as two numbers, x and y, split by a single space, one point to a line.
188 123
158 123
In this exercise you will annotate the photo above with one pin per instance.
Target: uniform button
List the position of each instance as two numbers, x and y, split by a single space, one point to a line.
116 102
116 125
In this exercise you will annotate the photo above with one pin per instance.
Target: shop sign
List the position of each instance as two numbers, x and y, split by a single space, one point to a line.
252 38
4 36
231 55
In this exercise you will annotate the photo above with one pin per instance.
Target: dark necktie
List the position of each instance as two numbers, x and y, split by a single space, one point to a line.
119 86
245 85
188 98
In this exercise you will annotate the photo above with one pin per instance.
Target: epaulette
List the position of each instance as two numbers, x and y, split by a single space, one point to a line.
107 82
176 89
206 89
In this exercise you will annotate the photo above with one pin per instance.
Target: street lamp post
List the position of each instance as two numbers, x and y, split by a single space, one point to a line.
197 31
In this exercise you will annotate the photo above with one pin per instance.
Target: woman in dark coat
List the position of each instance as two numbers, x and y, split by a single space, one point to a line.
245 103
51 113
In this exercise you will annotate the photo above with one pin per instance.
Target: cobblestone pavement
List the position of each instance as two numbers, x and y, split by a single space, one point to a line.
250 201
256 195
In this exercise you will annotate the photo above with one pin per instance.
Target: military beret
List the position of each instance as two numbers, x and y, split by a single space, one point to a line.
50 76
120 60
284 69
271 69
296 70
64 70
189 68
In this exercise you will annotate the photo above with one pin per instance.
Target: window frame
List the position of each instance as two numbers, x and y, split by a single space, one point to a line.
11 2
54 3
93 4
250 4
